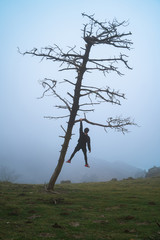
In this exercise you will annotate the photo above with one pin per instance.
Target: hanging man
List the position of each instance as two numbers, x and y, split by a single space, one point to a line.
83 140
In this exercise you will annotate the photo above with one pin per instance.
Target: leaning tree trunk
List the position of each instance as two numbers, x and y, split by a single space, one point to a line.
61 158
72 118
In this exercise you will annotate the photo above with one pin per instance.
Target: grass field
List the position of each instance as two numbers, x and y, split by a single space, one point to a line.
117 210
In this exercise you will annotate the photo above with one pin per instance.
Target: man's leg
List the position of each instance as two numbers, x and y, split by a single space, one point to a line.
85 156
77 148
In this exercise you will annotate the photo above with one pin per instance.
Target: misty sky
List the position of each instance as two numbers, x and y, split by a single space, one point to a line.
28 141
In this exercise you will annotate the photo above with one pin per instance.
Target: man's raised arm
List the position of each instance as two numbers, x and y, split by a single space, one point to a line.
81 127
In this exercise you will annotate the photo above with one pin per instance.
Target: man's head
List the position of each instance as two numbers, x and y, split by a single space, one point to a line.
86 130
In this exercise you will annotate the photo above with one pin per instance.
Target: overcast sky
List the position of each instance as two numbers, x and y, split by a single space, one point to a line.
27 139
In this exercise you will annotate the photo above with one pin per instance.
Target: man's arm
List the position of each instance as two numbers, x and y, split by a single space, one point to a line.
89 144
81 127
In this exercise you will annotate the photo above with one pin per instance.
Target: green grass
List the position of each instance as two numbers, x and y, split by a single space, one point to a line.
122 210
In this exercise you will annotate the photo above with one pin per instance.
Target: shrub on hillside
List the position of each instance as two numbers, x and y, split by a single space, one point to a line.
153 172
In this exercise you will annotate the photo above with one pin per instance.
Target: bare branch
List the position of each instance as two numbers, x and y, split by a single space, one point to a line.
70 95
86 110
61 106
66 80
118 124
56 54
63 128
47 82
106 33
112 95
67 69
89 104
103 67
49 117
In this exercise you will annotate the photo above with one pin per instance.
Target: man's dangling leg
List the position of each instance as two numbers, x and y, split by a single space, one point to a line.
77 148
74 152
85 156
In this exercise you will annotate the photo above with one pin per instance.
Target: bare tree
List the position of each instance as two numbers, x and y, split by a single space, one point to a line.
94 33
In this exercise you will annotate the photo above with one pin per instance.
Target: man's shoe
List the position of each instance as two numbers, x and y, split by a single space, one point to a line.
69 161
87 166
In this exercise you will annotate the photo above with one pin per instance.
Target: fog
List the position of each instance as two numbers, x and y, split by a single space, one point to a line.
30 143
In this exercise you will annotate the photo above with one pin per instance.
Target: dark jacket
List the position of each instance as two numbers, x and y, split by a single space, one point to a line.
83 138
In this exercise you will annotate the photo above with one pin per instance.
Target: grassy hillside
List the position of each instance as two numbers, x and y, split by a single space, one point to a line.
120 210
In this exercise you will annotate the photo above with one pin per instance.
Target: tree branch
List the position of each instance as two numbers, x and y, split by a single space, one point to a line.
112 95
53 82
66 80
56 55
105 33
114 123
112 60
58 117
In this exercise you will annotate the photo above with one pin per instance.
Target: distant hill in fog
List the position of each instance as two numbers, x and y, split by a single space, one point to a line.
100 170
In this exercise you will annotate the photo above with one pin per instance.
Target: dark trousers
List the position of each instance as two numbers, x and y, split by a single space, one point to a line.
84 150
